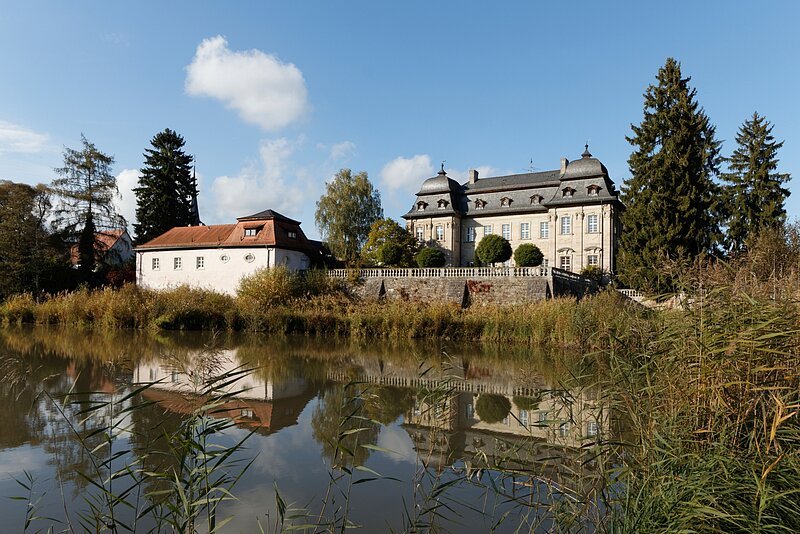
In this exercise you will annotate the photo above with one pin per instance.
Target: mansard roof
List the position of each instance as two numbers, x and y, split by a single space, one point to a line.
586 179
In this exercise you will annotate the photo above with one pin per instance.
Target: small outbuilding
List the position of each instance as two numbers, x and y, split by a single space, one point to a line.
217 257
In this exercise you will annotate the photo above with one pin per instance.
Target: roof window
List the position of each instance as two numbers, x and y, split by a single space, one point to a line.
480 204
505 201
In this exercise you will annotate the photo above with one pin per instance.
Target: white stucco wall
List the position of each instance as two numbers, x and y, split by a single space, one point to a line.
215 274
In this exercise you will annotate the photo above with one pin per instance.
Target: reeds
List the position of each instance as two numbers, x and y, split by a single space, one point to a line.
279 302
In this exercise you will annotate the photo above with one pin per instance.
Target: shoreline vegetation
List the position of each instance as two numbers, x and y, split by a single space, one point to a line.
280 302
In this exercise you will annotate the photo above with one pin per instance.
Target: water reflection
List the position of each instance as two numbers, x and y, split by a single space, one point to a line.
471 408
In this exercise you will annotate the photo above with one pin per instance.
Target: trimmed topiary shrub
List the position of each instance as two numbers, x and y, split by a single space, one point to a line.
391 254
431 257
492 408
528 255
493 249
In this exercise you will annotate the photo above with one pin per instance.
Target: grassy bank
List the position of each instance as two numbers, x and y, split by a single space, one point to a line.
324 310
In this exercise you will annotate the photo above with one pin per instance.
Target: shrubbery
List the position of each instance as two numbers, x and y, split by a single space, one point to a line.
431 257
528 255
492 408
493 249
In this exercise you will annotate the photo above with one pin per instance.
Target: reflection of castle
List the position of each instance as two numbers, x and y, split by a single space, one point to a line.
264 405
545 439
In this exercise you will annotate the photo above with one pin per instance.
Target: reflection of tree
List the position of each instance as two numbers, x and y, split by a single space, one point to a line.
339 424
385 404
492 408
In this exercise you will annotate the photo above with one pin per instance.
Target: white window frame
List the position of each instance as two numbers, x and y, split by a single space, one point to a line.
592 429
506 231
177 263
439 232
155 264
566 225
471 234
525 230
593 260
200 262
592 224
563 429
523 418
544 230
420 231
487 229
565 262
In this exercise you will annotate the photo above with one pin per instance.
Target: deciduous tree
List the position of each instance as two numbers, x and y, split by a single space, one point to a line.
29 255
167 192
386 232
672 203
346 212
755 192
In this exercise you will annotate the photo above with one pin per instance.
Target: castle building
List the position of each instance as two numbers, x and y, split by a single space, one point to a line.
571 214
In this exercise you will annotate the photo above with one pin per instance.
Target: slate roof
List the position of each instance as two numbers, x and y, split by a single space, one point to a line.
519 191
268 214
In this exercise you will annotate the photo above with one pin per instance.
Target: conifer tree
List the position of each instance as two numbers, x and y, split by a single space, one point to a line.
167 189
672 203
87 189
754 191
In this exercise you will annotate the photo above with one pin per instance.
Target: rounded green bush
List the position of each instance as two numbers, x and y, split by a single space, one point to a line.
526 403
528 255
492 408
430 257
493 249
390 254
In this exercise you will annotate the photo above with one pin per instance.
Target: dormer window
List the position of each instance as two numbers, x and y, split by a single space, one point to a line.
505 202
443 204
421 205
292 234
480 204
536 200
252 232
567 192
593 190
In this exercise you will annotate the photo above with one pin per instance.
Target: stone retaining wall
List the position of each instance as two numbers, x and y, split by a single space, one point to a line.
461 291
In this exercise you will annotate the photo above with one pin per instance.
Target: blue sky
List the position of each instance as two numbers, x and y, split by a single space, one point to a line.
274 97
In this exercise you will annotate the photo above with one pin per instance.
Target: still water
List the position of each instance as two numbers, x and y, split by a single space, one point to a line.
446 437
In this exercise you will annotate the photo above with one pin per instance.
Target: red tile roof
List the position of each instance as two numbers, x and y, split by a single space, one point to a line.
272 229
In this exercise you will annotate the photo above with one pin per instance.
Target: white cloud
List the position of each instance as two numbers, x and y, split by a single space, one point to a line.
484 171
263 184
15 138
406 174
127 179
260 87
342 150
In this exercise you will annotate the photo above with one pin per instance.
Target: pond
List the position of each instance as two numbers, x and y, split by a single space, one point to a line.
324 433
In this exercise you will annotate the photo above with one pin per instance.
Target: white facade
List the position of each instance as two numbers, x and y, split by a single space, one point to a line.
216 268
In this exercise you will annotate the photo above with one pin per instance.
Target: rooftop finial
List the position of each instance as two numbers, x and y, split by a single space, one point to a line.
586 153
442 171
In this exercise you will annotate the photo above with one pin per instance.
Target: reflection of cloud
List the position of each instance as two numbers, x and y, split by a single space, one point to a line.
14 461
260 87
15 138
397 440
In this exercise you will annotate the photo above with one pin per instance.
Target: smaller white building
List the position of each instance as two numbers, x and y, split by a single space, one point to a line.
218 257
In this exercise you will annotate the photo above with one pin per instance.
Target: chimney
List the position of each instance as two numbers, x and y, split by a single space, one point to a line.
564 163
473 176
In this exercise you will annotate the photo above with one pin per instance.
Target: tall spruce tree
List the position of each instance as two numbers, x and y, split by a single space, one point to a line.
87 189
672 202
167 192
754 190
